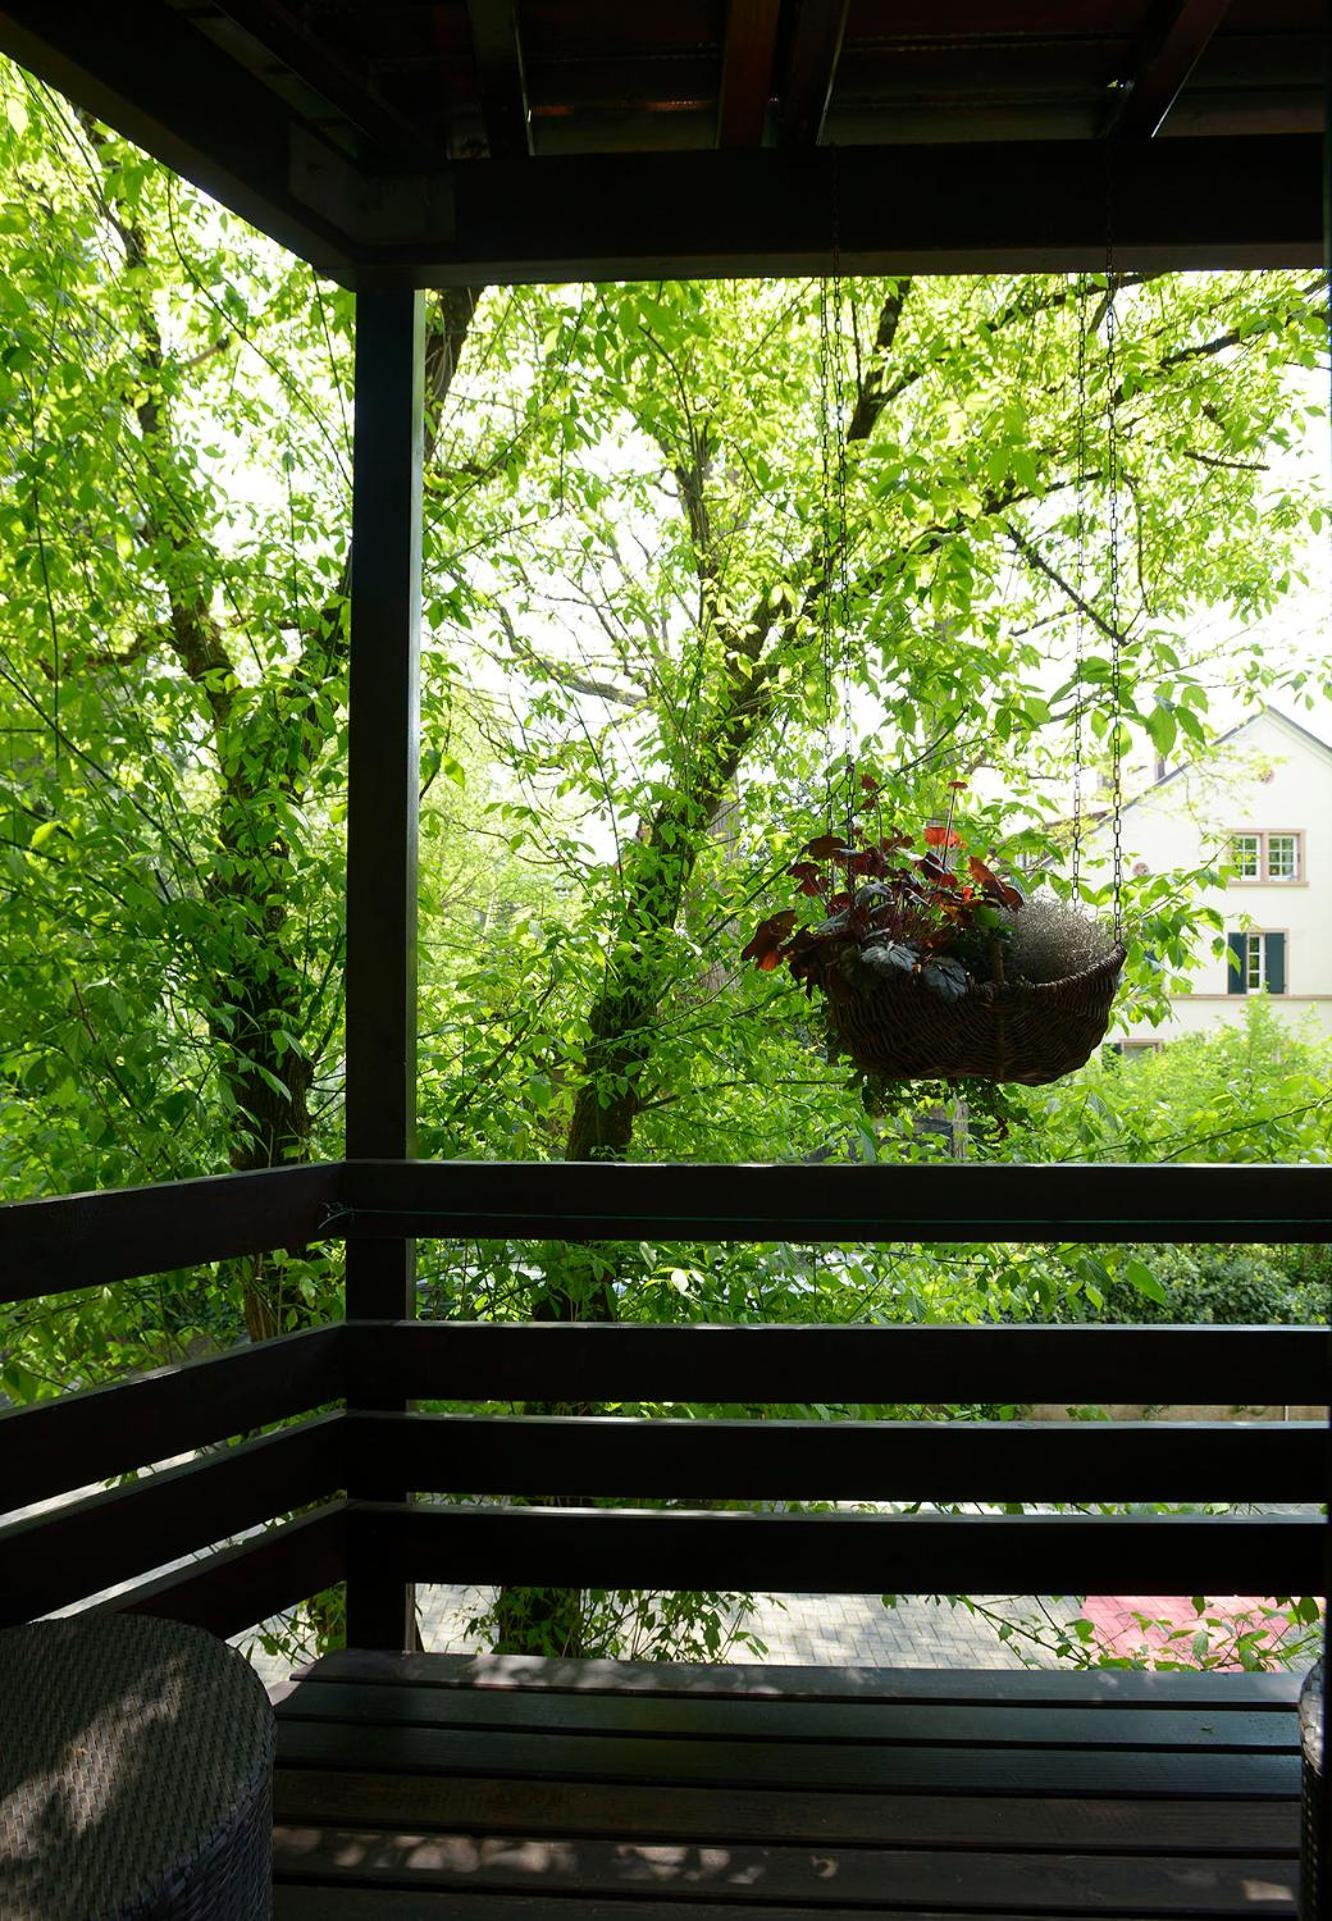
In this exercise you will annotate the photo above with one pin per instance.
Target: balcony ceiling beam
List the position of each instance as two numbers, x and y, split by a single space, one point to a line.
1209 202
748 53
811 69
1035 206
499 71
1177 35
151 75
312 59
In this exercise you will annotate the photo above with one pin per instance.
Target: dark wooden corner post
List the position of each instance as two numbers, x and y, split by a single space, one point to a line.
383 779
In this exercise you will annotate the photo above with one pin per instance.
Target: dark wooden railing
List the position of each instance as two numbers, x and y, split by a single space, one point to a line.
89 1240
287 1482
507 1479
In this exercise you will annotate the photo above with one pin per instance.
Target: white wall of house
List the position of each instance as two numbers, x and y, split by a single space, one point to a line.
1272 780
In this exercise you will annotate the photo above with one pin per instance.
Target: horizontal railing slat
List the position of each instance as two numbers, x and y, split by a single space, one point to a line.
103 1431
89 1240
708 1202
543 1456
52 1559
237 1587
82 1240
838 1553
583 1362
1092 1688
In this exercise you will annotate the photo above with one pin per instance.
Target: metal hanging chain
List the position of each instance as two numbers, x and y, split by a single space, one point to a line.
842 609
1082 294
1112 484
835 600
826 534
842 585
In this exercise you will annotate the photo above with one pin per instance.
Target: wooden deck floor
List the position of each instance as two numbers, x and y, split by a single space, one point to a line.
420 1787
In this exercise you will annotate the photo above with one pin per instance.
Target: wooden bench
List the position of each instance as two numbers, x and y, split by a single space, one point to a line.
493 1789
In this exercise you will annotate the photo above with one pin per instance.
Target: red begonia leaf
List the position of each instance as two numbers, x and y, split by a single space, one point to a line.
824 847
765 950
810 877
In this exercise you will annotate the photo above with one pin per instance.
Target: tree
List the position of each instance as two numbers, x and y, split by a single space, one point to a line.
176 664
670 606
678 628
642 640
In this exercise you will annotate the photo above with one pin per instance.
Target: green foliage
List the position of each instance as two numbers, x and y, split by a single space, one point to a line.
1192 1286
619 1624
640 654
1285 1631
1253 1091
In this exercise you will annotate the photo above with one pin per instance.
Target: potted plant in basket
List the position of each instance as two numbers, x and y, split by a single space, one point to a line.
936 966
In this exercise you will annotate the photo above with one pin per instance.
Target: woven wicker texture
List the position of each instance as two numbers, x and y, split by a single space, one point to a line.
135 1774
1032 1034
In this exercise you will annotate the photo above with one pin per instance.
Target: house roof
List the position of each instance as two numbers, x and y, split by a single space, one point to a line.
434 142
1299 733
1302 733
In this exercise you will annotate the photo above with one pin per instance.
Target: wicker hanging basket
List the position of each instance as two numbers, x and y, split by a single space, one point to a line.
1013 1031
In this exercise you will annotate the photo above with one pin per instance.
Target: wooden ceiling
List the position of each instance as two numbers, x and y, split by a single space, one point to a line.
485 77
445 139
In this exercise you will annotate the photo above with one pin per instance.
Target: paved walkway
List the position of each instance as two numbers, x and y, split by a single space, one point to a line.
806 1629
802 1629
817 1630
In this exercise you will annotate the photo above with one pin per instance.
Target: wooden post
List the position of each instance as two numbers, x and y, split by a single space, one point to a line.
383 780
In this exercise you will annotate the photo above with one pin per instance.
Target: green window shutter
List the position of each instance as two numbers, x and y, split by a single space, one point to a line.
1235 968
1275 963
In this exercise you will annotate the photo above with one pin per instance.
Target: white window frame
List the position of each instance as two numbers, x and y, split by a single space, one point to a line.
1293 841
1256 844
1255 959
1242 848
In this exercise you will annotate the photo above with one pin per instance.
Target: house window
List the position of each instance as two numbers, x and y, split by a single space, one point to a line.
1256 963
1246 852
1283 856
1268 856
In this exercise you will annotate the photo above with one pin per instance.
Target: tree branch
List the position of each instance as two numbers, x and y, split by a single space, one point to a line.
1035 558
1237 466
560 671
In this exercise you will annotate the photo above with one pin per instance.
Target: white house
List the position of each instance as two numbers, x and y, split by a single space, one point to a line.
1262 802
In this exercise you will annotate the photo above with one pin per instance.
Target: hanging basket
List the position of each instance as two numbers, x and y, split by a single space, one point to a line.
1014 1031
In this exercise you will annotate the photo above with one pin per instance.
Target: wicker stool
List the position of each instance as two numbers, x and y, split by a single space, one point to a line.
136 1761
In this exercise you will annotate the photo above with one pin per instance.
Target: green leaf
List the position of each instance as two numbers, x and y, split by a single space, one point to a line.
1139 1276
1163 728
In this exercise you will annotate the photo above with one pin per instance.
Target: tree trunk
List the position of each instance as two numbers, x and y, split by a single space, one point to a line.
659 871
255 998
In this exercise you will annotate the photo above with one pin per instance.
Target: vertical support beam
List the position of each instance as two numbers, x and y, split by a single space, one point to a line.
383 782
748 54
